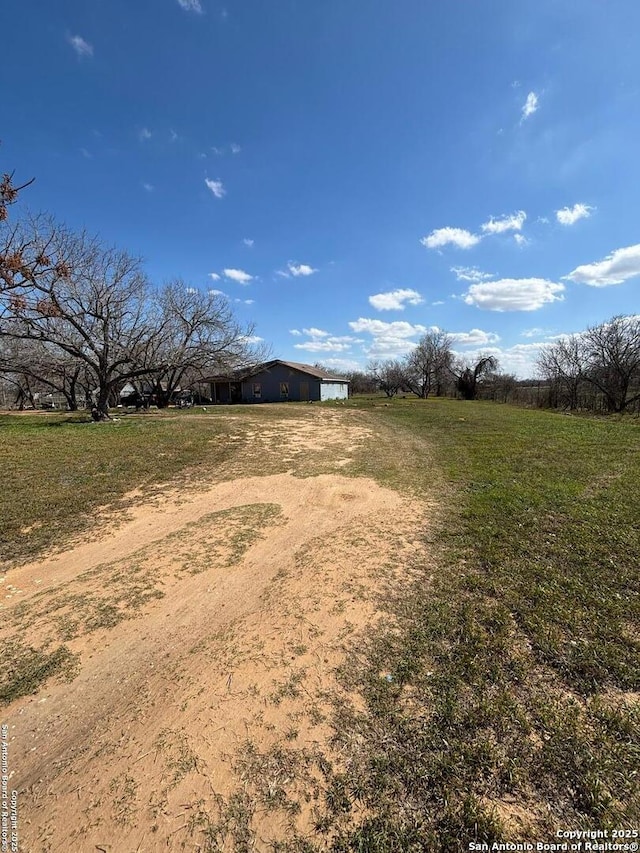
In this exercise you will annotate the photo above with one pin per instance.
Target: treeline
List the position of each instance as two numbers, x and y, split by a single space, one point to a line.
81 319
597 370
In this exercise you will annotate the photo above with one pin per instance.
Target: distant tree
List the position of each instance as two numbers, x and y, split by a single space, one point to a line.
388 376
424 368
564 363
198 336
361 382
468 375
613 360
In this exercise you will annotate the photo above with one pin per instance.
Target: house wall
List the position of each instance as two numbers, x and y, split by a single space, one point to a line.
334 390
270 380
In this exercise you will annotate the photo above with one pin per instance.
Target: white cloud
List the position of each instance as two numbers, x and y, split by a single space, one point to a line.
569 215
252 339
389 340
172 135
148 187
300 269
216 187
519 359
514 222
296 270
472 274
614 269
476 337
239 276
439 302
214 276
144 134
455 236
295 332
395 300
530 106
248 242
316 333
218 151
514 294
342 363
328 345
398 328
217 292
536 332
235 149
81 47
520 239
191 6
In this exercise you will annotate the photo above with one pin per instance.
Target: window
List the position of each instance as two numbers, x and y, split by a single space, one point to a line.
257 389
284 390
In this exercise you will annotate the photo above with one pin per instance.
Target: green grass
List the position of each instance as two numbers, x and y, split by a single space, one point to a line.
511 706
514 658
57 470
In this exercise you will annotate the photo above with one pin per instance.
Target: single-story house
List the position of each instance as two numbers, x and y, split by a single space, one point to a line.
277 381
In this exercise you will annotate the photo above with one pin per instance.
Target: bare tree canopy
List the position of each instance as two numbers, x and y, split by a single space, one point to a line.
389 376
74 309
426 367
605 358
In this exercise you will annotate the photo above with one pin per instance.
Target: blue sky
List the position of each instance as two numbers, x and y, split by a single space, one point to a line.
349 173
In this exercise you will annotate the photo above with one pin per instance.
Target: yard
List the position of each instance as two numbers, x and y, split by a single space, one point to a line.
370 626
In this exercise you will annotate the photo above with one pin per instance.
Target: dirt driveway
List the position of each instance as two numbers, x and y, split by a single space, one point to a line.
204 626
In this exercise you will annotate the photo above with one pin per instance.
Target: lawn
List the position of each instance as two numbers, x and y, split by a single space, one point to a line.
499 699
510 704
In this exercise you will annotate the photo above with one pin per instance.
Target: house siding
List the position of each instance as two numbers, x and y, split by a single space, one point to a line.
334 390
270 382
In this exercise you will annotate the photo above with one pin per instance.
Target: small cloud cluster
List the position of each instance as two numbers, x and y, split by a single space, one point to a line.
144 134
472 274
389 340
231 274
81 47
248 242
459 237
463 239
322 341
530 106
395 300
239 276
570 215
216 187
513 222
475 337
191 6
296 270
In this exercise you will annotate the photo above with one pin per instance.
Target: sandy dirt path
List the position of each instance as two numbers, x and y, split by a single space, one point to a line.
205 628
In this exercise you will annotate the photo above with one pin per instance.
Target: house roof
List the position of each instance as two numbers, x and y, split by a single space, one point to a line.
316 372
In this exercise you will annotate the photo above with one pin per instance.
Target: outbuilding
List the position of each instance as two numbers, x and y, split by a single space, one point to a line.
278 381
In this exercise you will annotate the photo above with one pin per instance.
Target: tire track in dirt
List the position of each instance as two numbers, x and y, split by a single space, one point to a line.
185 704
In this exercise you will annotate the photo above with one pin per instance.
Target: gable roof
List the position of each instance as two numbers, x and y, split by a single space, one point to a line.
316 372
247 373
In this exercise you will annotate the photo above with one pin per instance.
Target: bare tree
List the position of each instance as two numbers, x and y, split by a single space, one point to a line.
613 353
425 366
199 336
38 366
85 301
388 376
565 363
